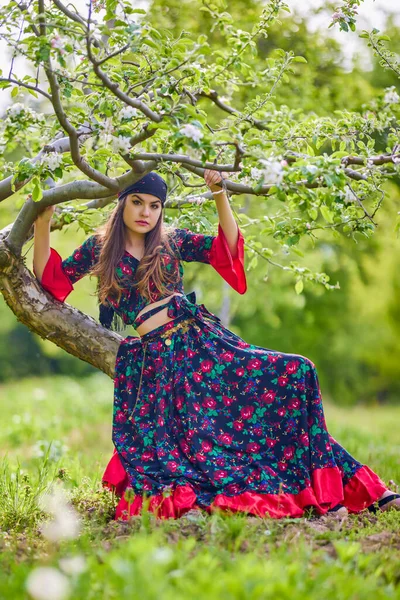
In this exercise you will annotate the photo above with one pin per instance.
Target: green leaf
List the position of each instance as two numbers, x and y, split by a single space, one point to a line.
299 59
299 286
14 91
326 213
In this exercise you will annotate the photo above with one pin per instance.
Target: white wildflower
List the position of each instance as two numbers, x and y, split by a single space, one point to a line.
48 583
65 523
162 555
391 96
127 112
52 160
121 144
272 171
15 110
73 565
191 131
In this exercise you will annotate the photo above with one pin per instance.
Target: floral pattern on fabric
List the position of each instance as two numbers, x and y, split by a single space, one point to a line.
218 417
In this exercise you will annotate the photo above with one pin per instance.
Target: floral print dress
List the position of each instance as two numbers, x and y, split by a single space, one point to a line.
204 420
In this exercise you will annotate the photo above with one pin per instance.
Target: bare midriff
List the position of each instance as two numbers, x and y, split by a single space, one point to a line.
156 320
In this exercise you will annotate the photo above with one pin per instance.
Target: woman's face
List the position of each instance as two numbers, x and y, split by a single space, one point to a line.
141 207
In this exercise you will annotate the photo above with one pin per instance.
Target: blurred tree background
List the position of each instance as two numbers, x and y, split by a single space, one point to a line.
351 333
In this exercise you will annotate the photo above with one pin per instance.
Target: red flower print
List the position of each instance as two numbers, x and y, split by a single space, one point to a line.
140 469
160 421
220 474
281 411
120 417
200 457
220 461
272 358
304 439
238 425
252 447
294 404
268 397
185 446
292 366
70 271
282 380
144 410
206 366
209 403
243 344
126 269
197 377
270 442
175 453
172 466
258 431
282 466
247 412
197 407
225 438
240 372
147 485
125 405
132 449
147 455
227 400
206 446
233 488
227 356
179 402
254 363
288 452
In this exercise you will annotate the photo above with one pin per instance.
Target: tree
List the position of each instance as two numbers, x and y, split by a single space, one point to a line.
115 97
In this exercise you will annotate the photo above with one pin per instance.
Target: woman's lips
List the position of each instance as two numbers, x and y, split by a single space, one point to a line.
142 222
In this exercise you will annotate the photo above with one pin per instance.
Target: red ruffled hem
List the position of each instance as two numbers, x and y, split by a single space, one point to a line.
327 490
231 269
54 280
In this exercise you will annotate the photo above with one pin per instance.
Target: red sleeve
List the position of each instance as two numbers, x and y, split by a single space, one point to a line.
231 269
54 280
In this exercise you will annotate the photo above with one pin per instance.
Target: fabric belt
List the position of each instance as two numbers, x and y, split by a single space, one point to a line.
179 305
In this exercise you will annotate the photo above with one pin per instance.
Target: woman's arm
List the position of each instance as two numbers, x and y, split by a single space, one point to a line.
225 215
41 243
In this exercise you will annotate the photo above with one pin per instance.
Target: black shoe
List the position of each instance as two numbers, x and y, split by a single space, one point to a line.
372 508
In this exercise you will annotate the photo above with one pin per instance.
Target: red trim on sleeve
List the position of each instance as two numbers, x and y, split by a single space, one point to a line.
54 280
231 269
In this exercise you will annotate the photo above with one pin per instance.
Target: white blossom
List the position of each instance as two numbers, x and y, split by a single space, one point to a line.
48 583
191 131
349 196
56 42
15 110
391 96
73 565
162 555
127 112
338 15
65 522
312 169
52 160
272 171
121 144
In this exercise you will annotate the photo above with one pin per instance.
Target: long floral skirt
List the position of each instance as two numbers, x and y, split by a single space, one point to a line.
204 420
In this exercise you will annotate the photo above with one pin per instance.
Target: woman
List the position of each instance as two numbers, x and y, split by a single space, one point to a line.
202 419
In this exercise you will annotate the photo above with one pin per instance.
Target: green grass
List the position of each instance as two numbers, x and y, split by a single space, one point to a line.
198 556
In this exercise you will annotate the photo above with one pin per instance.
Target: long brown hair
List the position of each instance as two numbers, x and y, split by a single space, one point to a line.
151 275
